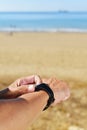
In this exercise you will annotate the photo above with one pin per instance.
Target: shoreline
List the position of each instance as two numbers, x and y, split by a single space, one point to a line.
48 31
41 32
45 30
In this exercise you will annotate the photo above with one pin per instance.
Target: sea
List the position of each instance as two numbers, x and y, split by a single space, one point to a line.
61 21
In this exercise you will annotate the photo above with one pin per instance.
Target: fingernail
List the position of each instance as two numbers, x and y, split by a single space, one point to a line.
31 88
67 96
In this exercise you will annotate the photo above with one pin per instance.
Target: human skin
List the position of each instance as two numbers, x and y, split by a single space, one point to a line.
20 86
18 113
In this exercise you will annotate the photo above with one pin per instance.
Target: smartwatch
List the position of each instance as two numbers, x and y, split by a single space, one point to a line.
48 90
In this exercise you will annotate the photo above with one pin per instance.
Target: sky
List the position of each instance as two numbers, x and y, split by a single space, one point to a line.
43 5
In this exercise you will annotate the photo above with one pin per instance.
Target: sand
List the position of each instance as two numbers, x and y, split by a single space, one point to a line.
62 55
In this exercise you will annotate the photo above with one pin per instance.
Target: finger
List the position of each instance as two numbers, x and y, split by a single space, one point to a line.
64 90
62 93
34 79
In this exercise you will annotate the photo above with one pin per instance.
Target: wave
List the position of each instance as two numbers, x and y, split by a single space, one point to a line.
43 30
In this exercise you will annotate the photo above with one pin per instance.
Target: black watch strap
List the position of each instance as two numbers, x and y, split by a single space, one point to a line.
49 91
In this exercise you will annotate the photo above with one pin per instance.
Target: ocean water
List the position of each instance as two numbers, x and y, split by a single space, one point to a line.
44 21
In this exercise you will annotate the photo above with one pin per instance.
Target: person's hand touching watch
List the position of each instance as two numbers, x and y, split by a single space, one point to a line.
20 86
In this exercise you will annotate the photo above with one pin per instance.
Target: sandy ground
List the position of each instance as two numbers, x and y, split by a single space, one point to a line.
62 55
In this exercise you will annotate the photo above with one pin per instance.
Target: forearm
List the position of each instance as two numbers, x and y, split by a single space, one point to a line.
9 93
19 113
36 102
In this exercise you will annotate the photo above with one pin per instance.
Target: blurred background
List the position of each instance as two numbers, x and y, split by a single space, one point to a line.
48 38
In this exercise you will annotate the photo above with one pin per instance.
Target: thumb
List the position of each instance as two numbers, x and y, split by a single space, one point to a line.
25 89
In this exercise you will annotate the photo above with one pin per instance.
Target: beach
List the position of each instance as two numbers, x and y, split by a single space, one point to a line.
58 54
47 54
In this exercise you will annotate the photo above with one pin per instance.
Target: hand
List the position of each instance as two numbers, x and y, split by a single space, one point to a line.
60 89
23 85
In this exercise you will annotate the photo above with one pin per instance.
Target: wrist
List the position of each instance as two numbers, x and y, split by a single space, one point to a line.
37 99
44 87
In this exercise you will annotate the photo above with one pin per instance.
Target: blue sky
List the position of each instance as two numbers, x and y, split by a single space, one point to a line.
43 5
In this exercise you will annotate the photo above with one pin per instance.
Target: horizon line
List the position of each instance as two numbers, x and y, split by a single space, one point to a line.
58 11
